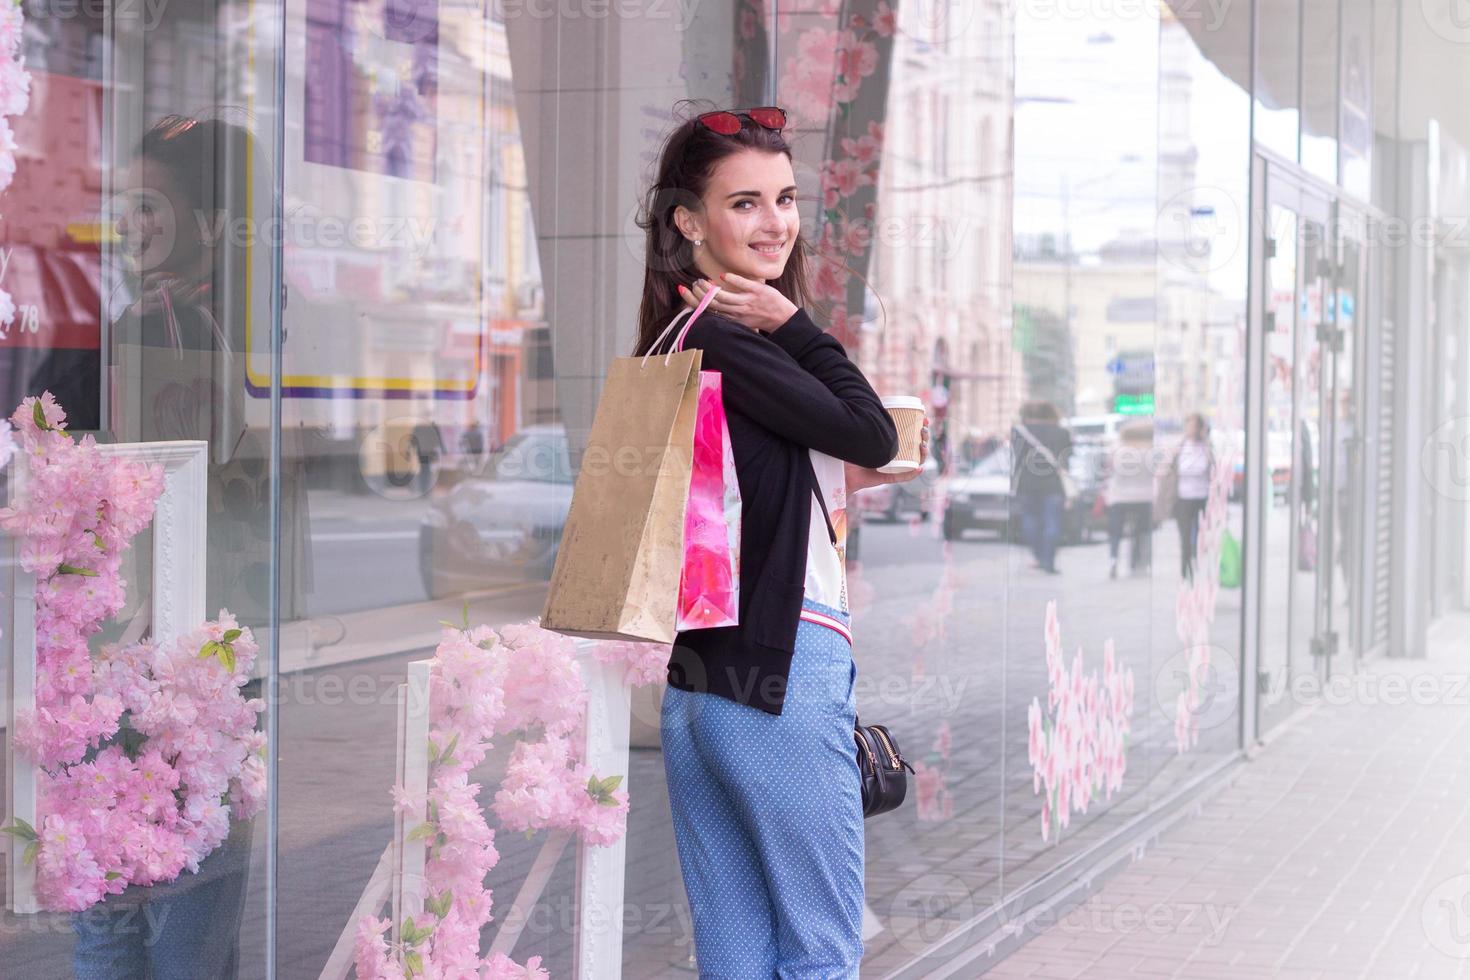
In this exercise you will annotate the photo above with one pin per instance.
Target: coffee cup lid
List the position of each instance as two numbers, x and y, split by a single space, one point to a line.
902 401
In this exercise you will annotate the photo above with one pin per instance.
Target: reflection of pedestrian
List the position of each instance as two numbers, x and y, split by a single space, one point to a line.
1193 465
1039 447
1129 493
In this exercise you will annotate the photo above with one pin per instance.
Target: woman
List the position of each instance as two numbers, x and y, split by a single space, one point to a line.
1194 465
1039 451
757 721
1130 496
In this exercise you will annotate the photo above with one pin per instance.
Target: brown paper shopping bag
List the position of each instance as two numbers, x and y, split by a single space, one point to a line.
617 571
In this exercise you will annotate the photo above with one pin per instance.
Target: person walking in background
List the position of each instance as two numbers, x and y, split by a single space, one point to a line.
1193 466
1039 449
1129 492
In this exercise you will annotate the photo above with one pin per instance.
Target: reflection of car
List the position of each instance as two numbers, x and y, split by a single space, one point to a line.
894 501
502 525
982 499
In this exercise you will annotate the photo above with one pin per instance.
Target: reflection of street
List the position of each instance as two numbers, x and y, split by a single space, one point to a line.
950 653
363 556
949 644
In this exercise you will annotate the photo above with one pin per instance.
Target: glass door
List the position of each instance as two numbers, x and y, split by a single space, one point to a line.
1341 514
1296 281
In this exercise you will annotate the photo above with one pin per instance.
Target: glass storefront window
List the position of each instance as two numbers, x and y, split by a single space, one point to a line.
1278 86
390 330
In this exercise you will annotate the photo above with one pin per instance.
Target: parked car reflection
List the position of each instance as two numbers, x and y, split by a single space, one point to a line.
896 501
982 499
502 525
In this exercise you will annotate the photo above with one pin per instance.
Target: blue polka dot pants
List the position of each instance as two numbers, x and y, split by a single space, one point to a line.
768 818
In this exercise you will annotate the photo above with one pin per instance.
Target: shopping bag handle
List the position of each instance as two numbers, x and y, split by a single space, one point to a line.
679 343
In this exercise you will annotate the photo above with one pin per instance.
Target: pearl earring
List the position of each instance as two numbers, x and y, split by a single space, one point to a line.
698 242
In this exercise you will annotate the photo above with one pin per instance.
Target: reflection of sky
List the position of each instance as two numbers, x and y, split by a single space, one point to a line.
1097 137
1097 144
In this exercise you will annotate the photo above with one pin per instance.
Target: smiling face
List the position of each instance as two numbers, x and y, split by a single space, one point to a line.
749 222
152 222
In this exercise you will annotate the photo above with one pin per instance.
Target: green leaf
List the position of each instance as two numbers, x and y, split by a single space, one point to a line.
227 657
422 832
433 751
440 906
21 829
65 569
445 622
592 785
611 783
413 964
466 614
208 650
39 417
113 875
32 849
408 932
232 635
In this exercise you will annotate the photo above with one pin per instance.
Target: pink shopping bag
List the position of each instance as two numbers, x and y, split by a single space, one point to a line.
709 584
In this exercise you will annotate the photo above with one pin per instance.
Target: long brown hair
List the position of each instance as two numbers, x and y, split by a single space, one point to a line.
686 163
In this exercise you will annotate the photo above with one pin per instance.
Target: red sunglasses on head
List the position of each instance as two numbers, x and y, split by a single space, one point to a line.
727 122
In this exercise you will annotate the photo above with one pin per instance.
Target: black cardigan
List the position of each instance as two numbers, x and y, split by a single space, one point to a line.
785 392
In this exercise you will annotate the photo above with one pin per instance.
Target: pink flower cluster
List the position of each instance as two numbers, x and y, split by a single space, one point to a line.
1079 747
826 73
146 749
1194 607
15 89
157 800
644 663
483 684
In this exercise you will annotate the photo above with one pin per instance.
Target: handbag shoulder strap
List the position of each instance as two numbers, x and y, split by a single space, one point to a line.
1046 454
821 501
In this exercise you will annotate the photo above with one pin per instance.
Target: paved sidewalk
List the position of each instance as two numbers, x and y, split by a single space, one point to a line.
1341 850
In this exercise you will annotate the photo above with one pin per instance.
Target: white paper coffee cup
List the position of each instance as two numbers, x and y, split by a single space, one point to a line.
908 415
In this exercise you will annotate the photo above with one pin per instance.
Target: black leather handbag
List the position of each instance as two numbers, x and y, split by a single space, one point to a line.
885 782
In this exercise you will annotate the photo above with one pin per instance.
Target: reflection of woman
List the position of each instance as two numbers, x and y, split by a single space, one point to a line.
176 372
177 368
757 722
1130 496
1194 464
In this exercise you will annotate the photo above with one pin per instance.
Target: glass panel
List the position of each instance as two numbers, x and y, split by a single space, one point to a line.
1320 96
1356 122
1278 77
1385 89
135 251
1280 296
1200 367
1313 315
1090 120
1347 458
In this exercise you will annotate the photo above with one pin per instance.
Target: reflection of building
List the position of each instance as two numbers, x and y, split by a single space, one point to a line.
943 238
1113 311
